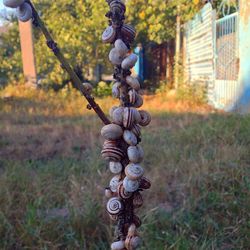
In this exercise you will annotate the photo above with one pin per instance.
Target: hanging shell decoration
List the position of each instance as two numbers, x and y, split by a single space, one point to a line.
122 137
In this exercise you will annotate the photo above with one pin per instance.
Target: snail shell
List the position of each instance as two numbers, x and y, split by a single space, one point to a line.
112 132
109 34
145 118
112 153
117 7
115 167
132 96
116 89
133 82
136 129
132 242
129 62
135 154
129 185
111 111
114 206
117 115
118 245
139 101
130 116
114 182
128 33
121 47
132 230
129 138
108 193
24 12
145 183
137 200
122 192
134 171
114 57
13 3
87 87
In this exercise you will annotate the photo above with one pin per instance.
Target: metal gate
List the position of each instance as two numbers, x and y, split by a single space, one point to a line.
226 85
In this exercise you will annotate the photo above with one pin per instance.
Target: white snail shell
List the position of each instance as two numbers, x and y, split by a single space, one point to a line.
108 35
134 171
114 57
121 47
132 229
114 206
112 132
111 111
135 154
139 101
116 90
13 3
114 182
129 62
87 87
132 96
115 167
136 129
145 118
24 12
130 138
129 185
133 82
118 245
117 115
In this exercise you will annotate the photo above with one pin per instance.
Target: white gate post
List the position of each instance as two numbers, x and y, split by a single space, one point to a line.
244 47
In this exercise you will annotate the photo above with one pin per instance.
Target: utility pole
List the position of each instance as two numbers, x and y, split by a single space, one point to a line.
177 47
28 55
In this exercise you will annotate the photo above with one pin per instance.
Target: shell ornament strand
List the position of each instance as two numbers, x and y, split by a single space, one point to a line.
123 135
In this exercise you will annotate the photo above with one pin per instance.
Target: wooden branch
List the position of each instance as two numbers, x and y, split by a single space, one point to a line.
65 65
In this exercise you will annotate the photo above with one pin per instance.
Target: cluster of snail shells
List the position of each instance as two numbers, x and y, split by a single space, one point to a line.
23 9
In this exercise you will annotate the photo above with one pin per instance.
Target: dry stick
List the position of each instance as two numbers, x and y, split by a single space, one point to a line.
65 65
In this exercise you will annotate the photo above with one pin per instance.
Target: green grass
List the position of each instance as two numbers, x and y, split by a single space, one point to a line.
52 178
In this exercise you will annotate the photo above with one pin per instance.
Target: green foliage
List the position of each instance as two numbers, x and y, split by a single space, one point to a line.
103 89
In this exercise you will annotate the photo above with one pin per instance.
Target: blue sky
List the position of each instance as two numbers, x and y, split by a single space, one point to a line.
1 4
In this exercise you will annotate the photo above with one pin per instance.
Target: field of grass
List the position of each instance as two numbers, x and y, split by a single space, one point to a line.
52 176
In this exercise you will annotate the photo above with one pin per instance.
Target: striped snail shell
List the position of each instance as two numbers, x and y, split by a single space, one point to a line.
121 47
129 62
131 116
145 118
109 34
130 138
128 33
115 167
111 111
132 242
108 193
118 245
13 3
134 171
135 154
114 57
111 152
112 132
129 185
87 87
114 182
136 129
145 183
116 89
24 12
117 7
133 82
117 115
122 193
132 96
139 101
114 206
137 200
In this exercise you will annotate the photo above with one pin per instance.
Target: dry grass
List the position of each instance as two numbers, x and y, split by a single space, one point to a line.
52 175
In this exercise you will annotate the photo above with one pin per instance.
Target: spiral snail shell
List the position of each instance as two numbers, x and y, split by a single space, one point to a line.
112 132
145 183
136 129
115 167
112 152
109 35
118 245
138 102
132 96
128 33
130 138
122 193
117 116
135 154
13 3
133 82
129 185
116 90
114 182
24 12
114 206
137 200
117 7
134 171
145 118
114 57
130 116
121 47
129 62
